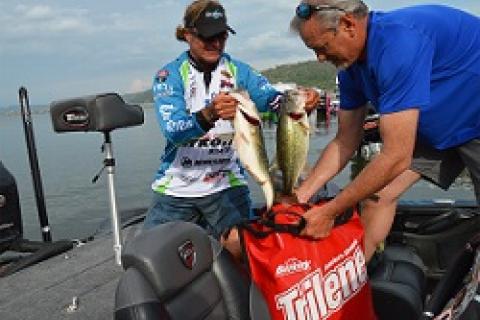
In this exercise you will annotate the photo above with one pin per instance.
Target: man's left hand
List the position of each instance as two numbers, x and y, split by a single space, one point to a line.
320 221
312 99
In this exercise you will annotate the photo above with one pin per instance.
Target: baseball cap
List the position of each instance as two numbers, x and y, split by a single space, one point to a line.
212 21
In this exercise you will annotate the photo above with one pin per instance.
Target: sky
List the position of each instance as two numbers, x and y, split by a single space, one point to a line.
69 48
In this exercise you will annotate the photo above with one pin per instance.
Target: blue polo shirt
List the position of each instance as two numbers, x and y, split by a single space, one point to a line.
425 57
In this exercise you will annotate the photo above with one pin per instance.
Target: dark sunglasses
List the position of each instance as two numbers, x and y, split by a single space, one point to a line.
220 37
305 10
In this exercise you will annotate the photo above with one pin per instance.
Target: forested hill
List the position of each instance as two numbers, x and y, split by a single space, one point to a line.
309 73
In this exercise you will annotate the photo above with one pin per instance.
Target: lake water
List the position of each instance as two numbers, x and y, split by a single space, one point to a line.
68 162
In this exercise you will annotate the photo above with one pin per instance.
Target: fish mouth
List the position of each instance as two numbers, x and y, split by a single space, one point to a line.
295 115
250 119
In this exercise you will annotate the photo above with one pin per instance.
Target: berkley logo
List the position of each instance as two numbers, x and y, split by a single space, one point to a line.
187 254
292 266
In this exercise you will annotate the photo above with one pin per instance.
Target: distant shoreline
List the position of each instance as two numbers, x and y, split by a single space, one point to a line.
12 111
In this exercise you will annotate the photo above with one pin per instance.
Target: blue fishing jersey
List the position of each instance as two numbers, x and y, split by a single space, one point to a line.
196 162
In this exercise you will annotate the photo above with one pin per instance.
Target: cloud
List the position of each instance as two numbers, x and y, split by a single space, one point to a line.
271 41
34 12
163 5
50 22
43 21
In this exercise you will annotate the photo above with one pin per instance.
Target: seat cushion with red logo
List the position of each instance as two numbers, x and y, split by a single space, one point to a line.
309 279
176 271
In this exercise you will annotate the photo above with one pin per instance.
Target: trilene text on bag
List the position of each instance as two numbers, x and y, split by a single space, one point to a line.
320 293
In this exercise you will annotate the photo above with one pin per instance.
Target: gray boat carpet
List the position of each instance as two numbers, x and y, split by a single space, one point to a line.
87 274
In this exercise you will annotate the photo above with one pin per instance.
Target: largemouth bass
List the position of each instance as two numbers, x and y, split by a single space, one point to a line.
249 143
293 134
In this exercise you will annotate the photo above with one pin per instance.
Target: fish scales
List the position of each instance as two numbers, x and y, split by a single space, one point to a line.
293 133
249 144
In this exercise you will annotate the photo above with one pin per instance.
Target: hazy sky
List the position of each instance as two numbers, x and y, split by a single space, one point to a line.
67 48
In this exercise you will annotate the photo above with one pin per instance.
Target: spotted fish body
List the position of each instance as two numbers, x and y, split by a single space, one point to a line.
293 134
249 144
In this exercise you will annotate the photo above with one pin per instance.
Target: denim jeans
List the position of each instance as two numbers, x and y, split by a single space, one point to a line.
216 212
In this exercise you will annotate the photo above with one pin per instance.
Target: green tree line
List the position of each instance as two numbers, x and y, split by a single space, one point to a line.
309 73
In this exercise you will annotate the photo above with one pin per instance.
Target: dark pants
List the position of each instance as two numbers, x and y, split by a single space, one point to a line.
442 167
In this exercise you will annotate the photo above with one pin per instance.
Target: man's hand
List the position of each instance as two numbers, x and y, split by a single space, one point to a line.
312 99
231 241
320 221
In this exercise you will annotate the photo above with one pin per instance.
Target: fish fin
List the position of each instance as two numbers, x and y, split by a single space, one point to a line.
242 138
305 126
274 164
255 176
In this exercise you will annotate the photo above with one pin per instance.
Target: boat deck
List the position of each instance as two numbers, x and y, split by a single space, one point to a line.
87 274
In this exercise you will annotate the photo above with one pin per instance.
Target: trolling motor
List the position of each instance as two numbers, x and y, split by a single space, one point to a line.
24 252
10 216
99 113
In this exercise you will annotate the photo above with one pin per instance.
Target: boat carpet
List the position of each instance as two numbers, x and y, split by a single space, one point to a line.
87 274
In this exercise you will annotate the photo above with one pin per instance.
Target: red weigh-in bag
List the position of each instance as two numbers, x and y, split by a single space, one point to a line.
305 279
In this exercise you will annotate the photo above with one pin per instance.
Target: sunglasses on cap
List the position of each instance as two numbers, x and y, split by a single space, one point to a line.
305 10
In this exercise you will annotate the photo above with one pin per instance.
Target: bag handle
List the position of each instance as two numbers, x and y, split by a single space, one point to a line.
268 221
292 228
247 225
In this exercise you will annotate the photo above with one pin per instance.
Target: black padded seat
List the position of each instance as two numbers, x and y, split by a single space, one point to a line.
96 113
176 271
398 284
403 253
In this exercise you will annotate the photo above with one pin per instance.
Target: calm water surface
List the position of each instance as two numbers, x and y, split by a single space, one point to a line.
68 162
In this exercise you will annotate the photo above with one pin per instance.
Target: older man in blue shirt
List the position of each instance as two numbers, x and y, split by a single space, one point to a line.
420 68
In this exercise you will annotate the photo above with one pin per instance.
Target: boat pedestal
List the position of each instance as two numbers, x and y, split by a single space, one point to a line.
99 113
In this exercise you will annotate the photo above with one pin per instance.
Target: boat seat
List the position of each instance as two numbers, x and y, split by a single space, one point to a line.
176 271
98 113
398 284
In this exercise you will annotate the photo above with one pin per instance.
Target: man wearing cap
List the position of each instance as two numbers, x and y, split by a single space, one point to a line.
420 68
200 178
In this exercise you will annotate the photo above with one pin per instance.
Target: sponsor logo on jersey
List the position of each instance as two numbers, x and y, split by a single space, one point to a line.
178 126
226 74
216 142
163 90
186 162
226 84
162 75
166 111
